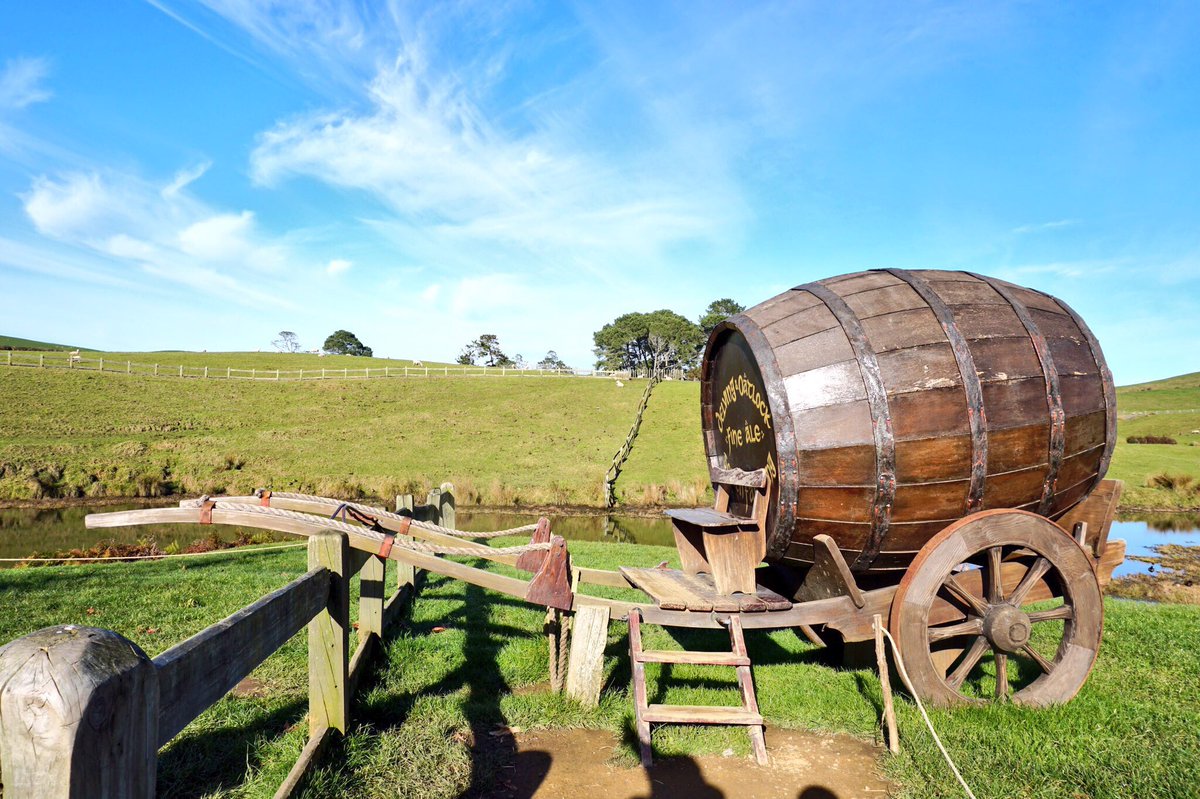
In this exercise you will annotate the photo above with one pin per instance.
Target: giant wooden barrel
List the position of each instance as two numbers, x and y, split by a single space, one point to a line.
885 405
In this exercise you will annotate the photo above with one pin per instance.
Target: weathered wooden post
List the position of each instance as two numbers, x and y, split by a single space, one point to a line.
328 633
370 600
589 636
78 716
447 506
406 573
433 506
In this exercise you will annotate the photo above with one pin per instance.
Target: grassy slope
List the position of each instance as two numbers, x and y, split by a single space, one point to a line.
14 343
501 440
1130 732
1168 407
505 441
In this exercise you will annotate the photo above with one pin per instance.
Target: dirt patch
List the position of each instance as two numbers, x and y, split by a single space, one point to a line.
577 764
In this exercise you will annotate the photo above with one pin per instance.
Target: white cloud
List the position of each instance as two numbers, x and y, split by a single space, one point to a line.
337 266
184 178
21 82
159 229
430 293
67 207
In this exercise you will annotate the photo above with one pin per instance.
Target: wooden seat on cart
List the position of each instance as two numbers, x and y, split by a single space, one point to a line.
727 545
672 589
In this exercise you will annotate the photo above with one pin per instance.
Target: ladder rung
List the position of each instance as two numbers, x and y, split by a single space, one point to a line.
701 714
694 658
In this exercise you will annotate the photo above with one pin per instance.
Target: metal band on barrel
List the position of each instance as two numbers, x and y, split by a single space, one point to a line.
972 387
1058 418
1110 393
881 421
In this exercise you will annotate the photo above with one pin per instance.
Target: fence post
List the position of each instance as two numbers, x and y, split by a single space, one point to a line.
156 370
276 374
433 506
447 506
370 599
302 375
406 573
181 370
228 371
42 360
206 373
128 368
78 716
328 665
10 357
101 369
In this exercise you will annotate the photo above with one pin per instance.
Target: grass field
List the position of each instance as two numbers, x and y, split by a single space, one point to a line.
430 721
502 441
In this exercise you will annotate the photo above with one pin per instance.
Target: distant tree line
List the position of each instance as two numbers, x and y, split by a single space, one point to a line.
660 341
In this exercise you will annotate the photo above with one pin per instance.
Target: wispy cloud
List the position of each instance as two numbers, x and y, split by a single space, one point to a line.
1041 227
337 266
157 229
22 82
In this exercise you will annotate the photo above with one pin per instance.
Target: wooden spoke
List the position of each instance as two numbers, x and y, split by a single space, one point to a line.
1064 612
968 662
1001 660
995 577
1045 665
974 616
957 590
1039 568
972 626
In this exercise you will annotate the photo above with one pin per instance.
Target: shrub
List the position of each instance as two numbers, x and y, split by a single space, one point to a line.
1183 483
1150 440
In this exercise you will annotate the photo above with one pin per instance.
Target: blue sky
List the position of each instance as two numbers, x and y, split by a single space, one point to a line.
179 175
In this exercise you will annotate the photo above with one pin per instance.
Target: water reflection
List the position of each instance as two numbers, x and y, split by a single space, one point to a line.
24 531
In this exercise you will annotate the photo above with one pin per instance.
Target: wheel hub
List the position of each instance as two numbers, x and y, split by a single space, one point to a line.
1006 627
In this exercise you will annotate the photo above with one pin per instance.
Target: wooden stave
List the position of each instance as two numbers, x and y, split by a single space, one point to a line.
992 326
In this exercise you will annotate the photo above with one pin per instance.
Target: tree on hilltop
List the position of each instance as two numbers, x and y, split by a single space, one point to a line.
485 351
656 342
552 362
343 342
287 342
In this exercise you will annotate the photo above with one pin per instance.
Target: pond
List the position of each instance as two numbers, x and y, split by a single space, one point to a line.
24 531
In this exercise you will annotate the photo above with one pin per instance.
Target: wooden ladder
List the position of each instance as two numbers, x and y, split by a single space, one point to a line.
745 716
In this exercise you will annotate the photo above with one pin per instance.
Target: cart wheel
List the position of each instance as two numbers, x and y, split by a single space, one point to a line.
1004 583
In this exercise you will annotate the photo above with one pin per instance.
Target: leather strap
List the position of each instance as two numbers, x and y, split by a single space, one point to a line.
206 511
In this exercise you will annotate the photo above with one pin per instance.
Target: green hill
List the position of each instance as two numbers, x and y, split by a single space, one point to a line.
29 345
70 433
503 441
1160 475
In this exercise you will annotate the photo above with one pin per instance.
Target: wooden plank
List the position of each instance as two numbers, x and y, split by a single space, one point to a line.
979 322
371 597
933 413
919 368
804 322
1097 512
834 426
194 674
708 517
679 656
701 714
328 639
830 575
903 329
835 384
666 588
999 359
78 716
814 351
861 281
589 637
900 297
1015 403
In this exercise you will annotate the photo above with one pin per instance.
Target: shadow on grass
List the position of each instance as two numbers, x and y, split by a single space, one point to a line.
205 762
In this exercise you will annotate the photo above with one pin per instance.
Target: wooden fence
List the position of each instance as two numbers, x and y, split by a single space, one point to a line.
65 360
614 469
84 711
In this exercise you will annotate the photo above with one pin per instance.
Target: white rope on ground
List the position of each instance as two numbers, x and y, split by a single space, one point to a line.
226 551
415 546
384 514
921 707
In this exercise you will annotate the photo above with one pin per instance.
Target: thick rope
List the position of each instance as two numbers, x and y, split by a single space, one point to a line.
380 512
226 551
415 546
912 691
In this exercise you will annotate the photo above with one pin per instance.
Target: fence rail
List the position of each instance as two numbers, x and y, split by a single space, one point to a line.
84 710
63 360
